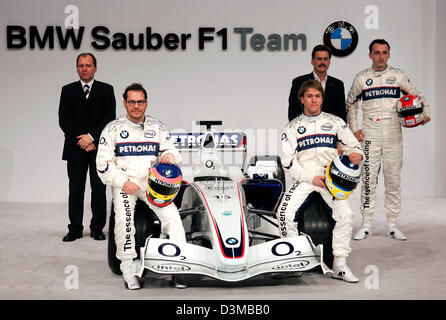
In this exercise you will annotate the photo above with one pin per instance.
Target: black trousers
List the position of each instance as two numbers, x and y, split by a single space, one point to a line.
77 175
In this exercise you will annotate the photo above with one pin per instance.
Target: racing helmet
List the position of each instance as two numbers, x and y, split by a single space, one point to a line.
410 111
163 184
342 177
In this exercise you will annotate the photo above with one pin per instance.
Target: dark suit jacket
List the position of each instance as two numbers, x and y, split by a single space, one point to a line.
334 101
78 115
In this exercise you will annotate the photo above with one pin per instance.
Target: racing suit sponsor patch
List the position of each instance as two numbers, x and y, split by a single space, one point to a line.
137 149
391 80
381 92
128 222
283 208
149 134
316 141
366 173
124 134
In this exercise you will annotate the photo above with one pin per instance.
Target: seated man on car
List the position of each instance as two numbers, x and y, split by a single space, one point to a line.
309 144
128 147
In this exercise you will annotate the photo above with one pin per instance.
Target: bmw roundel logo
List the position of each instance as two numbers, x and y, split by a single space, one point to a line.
231 241
301 130
369 82
124 134
168 173
406 98
341 37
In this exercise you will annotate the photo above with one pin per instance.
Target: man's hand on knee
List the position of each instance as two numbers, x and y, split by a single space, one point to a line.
319 181
130 187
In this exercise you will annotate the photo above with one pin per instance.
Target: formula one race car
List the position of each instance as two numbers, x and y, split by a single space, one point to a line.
229 215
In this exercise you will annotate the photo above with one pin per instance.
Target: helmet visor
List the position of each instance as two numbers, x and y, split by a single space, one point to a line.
406 112
163 188
342 180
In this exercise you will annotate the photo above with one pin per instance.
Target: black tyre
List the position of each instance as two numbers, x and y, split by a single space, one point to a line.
146 224
315 219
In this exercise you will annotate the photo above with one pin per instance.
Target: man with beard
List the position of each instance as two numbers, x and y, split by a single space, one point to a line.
334 101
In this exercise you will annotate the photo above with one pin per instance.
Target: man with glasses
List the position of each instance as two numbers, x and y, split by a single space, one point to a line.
85 107
334 101
128 147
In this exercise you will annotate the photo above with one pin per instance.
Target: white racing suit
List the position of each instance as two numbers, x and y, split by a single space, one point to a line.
126 152
379 92
309 144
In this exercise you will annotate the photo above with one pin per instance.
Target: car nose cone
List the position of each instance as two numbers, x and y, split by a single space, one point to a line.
231 241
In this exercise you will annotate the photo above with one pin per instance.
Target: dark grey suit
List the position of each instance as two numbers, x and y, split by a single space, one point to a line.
334 101
77 116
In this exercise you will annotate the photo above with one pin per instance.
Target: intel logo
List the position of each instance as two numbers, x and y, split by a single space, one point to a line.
149 134
292 265
171 267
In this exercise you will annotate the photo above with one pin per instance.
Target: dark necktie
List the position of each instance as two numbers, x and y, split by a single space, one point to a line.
86 90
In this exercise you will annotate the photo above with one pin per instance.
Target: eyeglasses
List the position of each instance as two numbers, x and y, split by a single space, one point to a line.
133 102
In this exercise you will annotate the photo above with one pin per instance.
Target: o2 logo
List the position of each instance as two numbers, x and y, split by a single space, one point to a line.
170 250
284 248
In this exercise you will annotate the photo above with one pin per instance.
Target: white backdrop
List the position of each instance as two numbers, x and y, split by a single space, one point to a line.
248 90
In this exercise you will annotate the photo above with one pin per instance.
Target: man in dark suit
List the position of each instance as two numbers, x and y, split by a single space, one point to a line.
334 101
86 106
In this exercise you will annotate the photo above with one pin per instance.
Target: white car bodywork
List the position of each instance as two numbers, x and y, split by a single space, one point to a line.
215 204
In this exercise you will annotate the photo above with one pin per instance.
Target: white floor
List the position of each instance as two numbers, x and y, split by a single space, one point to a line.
36 264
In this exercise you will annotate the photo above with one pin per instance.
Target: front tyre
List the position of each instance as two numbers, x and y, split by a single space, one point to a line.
146 224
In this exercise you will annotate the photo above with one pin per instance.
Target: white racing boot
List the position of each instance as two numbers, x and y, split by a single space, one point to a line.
131 281
342 272
364 232
394 232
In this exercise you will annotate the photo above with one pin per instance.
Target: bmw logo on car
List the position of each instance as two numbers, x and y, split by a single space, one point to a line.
341 37
231 241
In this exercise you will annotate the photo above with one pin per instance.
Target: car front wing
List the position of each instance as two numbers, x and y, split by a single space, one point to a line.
292 254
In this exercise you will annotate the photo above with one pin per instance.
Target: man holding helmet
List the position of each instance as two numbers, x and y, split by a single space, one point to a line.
309 144
129 146
380 87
